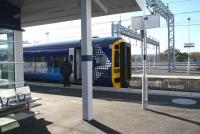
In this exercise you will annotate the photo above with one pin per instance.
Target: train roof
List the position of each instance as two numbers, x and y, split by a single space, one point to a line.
68 44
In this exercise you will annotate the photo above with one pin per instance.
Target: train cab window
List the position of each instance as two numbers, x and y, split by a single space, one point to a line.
100 60
117 47
116 56
55 61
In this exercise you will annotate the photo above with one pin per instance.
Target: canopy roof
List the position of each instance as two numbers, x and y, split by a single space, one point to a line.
38 12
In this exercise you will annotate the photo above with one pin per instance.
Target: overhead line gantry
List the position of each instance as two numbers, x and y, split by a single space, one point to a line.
158 7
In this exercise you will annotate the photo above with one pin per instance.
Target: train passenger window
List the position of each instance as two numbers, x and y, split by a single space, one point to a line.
25 59
100 60
27 63
71 58
40 61
56 61
116 56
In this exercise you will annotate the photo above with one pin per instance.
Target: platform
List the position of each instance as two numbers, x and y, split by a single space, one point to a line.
123 90
114 113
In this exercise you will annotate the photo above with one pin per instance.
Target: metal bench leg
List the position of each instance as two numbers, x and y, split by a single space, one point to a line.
29 105
23 99
7 101
1 102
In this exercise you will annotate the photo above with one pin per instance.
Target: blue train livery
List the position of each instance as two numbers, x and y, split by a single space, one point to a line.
111 61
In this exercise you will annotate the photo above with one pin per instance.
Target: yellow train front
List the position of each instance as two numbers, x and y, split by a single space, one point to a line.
111 61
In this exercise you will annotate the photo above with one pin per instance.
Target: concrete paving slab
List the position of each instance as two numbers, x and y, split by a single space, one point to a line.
61 113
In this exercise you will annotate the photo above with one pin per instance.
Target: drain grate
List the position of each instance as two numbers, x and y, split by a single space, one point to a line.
183 101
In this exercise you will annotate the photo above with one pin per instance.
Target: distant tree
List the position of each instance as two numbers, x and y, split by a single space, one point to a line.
163 57
180 57
195 56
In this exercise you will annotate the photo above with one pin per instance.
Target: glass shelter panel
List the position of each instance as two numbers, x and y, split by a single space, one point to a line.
6 59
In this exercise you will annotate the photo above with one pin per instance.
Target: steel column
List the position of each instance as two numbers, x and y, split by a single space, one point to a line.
158 7
144 76
169 56
86 51
156 56
18 57
159 54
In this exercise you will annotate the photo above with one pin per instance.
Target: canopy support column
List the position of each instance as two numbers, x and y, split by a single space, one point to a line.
86 51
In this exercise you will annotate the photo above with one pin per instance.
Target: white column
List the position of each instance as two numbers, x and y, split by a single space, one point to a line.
18 58
86 51
144 76
156 60
141 51
159 53
188 64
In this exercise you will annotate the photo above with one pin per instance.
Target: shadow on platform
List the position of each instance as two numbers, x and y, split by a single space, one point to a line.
176 117
114 96
31 126
102 127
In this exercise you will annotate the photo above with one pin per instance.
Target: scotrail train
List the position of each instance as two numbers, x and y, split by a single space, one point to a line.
111 61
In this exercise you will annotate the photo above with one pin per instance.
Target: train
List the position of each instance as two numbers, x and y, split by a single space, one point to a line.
111 61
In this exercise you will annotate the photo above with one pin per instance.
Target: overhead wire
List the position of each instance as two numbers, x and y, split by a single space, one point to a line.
188 12
177 1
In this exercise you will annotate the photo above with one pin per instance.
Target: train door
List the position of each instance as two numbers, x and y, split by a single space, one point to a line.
77 65
116 65
125 64
71 59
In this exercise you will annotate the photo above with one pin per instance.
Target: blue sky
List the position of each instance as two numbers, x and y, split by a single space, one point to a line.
102 27
181 28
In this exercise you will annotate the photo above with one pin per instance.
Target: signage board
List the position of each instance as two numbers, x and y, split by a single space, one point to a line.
187 45
151 21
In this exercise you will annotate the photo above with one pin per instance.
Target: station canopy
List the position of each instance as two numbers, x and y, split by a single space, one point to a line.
38 12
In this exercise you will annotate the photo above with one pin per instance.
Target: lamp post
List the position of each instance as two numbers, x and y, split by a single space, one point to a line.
142 23
188 64
144 76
